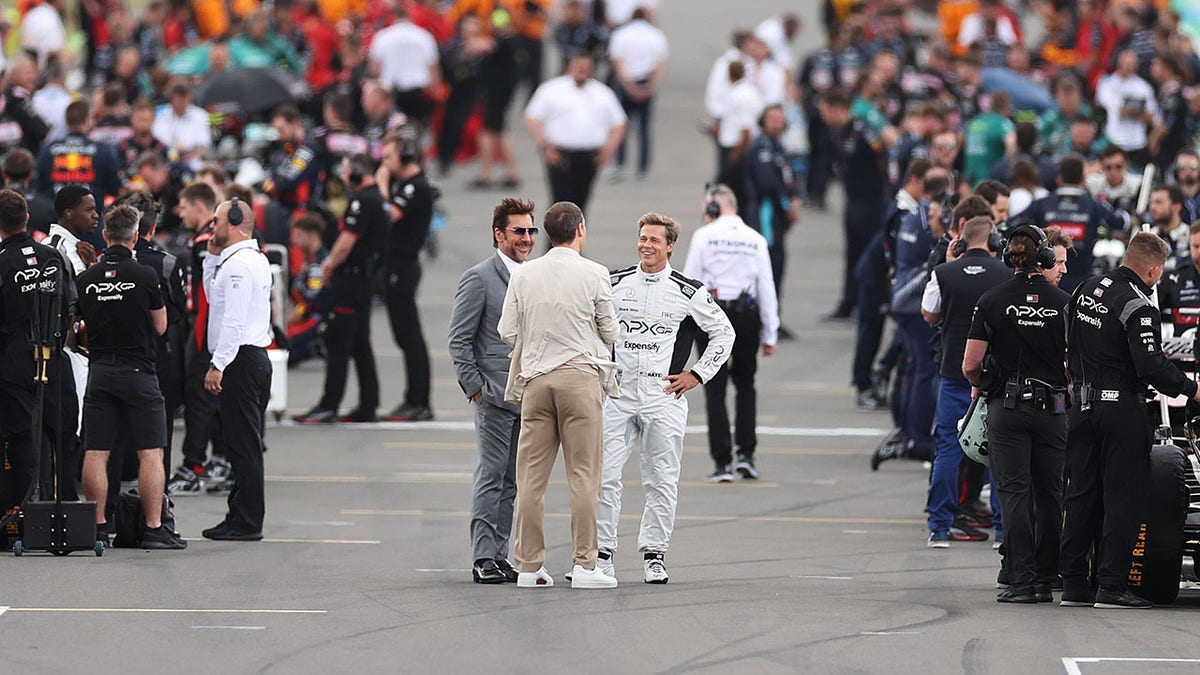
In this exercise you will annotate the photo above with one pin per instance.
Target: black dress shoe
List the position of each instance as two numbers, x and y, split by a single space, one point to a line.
317 416
360 416
785 334
1043 593
485 571
410 413
226 532
1023 595
510 574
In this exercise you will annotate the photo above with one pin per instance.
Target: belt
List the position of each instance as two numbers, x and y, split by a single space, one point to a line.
738 305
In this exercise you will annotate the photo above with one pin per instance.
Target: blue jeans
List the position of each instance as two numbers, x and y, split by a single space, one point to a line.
919 395
954 397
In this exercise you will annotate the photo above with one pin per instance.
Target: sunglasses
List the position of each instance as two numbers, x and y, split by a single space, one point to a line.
522 231
1190 165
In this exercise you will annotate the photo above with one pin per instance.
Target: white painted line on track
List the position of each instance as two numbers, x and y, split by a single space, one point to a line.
890 632
162 610
1071 663
230 627
330 523
3 610
466 425
323 541
820 520
817 576
856 532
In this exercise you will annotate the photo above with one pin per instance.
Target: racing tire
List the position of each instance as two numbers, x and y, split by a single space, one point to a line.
1161 551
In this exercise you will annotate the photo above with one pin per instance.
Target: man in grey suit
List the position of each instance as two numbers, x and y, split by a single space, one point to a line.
481 364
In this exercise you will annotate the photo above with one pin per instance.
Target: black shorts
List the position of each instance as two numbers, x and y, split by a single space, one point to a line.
123 397
497 95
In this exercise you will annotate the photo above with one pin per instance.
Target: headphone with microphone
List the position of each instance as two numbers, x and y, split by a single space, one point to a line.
235 212
1045 252
711 208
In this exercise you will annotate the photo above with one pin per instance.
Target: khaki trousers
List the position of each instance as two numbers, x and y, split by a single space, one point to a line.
563 406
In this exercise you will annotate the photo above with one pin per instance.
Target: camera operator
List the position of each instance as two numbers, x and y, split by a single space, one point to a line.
237 279
22 263
122 305
1115 353
346 270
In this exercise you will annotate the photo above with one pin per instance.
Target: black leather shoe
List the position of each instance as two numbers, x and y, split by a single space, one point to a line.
485 571
1077 596
1022 595
510 574
1043 593
225 532
1120 598
317 416
358 416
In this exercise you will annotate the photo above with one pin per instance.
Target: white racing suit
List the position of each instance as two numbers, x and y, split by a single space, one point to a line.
660 316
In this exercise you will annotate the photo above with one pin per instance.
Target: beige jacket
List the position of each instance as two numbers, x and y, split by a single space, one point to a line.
558 308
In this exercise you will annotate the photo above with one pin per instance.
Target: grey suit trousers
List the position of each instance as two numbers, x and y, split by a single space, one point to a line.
495 484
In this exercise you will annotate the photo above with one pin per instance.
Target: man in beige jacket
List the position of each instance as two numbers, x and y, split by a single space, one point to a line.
558 317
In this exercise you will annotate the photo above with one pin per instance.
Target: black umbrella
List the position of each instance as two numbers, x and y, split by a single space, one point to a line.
254 90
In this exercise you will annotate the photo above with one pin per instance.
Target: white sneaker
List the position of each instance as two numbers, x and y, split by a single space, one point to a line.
584 578
656 570
538 579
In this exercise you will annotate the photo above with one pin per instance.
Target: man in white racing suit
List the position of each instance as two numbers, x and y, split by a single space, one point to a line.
660 313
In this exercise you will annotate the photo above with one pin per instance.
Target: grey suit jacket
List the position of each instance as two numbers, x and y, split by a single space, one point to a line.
480 357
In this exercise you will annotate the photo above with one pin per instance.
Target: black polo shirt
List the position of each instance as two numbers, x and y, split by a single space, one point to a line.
406 237
1024 322
366 218
26 267
116 296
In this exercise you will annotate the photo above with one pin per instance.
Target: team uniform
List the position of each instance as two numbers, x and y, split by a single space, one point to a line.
660 315
1115 352
733 261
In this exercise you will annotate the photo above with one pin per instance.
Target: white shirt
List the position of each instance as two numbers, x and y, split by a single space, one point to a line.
742 107
238 284
729 257
1114 92
716 92
42 32
931 299
772 33
183 133
618 12
509 264
67 246
771 80
971 30
50 103
575 117
404 52
1020 199
639 47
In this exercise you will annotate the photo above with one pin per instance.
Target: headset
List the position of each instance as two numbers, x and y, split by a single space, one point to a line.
1045 252
235 212
711 208
409 152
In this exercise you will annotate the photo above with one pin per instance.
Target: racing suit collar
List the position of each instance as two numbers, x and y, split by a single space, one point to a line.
654 276
906 201
1070 191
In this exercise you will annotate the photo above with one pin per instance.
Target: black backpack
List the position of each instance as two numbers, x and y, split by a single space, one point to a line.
130 522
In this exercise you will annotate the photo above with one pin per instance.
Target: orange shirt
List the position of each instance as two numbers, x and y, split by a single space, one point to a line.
334 11
529 24
211 17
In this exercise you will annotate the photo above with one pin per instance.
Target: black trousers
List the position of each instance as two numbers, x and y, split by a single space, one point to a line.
820 157
1027 448
19 466
872 300
572 178
201 411
245 389
400 282
733 175
1108 473
642 111
862 221
460 103
414 103
741 367
347 336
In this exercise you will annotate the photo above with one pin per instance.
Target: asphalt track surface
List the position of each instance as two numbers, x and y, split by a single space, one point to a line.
820 567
